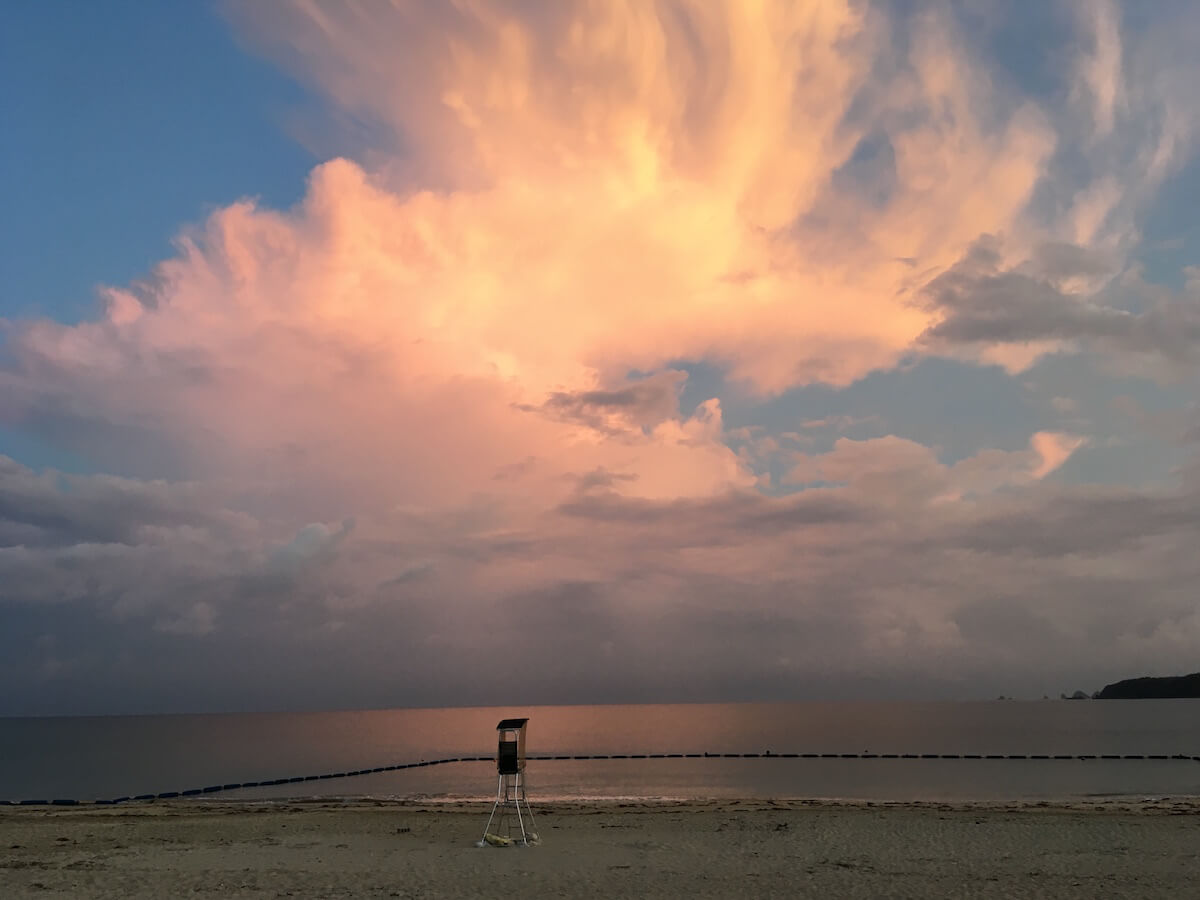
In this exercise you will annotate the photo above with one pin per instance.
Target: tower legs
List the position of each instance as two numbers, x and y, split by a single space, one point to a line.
510 797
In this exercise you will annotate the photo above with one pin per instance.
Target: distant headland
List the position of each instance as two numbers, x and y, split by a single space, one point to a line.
1171 687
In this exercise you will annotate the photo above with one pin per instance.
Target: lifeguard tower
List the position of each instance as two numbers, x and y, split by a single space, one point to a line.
510 792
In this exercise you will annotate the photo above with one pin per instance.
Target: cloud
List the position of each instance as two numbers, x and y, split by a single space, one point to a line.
656 184
312 543
197 620
316 373
478 393
1054 450
1100 76
54 510
892 471
641 404
982 302
1094 522
748 513
884 573
1133 113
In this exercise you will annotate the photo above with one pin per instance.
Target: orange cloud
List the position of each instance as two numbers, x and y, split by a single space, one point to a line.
619 185
568 197
471 338
1054 449
896 471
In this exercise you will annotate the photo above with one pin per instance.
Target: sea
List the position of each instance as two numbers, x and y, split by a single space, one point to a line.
90 758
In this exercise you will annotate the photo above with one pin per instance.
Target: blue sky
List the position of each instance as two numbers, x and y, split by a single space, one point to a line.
123 122
735 351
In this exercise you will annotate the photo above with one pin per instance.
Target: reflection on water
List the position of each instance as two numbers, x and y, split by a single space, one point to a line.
98 757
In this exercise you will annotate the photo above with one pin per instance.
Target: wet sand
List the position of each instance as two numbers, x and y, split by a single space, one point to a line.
713 849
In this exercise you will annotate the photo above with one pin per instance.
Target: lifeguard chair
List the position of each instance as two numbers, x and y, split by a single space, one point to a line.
510 791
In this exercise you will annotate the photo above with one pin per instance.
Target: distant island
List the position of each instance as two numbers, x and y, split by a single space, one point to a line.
1171 687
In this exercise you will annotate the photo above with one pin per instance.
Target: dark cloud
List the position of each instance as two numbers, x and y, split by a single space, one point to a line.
825 592
515 471
982 303
54 509
604 597
1058 262
641 404
402 467
311 545
1088 522
602 479
743 513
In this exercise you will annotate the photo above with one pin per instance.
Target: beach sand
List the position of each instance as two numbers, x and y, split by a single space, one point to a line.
753 848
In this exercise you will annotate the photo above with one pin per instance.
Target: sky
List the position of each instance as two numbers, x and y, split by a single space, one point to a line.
512 352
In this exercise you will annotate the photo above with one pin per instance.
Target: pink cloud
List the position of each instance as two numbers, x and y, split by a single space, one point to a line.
440 340
640 183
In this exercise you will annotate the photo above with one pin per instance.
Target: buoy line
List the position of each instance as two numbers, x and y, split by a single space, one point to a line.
299 779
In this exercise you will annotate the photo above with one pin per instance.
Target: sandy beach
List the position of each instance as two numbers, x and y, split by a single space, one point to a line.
612 849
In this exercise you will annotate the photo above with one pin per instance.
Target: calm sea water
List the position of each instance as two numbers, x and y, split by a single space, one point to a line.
88 758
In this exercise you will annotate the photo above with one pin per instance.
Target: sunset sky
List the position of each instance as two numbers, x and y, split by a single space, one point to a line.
510 352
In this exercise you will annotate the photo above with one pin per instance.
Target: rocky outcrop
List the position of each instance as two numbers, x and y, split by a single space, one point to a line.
1173 686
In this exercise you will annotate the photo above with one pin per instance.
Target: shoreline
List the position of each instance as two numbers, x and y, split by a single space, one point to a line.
1125 803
